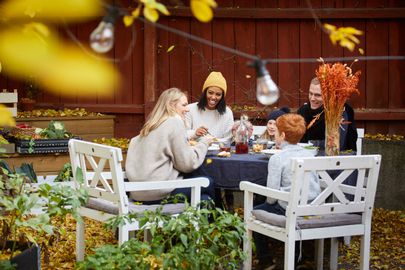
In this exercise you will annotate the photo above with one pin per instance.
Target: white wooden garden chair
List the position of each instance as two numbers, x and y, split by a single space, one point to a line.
258 131
104 182
320 218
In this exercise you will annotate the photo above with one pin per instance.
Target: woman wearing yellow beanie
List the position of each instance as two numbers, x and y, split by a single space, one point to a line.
210 113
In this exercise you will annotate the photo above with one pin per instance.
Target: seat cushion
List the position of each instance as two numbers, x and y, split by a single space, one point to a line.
112 208
308 221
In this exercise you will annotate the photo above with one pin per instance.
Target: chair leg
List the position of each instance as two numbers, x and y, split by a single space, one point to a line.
319 246
123 234
334 245
80 243
365 252
247 248
289 254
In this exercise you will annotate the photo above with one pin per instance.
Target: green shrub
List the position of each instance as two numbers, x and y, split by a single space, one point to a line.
207 238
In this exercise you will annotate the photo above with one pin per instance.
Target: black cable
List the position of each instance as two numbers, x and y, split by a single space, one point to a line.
255 57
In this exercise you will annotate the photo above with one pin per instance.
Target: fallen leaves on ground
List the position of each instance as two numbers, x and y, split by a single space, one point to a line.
77 112
387 249
384 137
386 252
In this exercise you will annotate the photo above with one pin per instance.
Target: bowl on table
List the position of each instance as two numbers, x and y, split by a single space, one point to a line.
270 144
270 152
312 149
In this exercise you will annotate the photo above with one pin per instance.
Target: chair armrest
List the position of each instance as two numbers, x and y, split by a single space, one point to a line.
154 185
265 191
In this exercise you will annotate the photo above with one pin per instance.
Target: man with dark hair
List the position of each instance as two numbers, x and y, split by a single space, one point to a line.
314 116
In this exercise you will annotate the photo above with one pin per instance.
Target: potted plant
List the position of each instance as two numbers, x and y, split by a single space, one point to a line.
207 238
20 228
31 90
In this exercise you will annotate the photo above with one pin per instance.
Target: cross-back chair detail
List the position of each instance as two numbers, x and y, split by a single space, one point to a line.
103 178
349 213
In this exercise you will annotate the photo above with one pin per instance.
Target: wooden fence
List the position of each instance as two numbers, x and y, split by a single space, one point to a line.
272 29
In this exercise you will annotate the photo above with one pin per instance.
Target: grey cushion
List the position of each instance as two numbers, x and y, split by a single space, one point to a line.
111 208
309 221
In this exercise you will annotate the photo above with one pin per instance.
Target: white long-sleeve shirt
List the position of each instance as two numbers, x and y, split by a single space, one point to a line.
220 126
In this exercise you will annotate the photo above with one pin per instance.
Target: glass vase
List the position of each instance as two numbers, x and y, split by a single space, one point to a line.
332 137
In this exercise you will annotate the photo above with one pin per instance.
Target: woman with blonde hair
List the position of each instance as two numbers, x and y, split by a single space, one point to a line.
161 151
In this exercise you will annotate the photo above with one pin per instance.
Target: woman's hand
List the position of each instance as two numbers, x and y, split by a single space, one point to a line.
201 131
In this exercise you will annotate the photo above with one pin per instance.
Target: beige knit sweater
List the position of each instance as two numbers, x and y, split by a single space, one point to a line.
161 156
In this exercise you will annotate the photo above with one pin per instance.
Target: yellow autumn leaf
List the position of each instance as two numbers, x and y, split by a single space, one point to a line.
354 39
345 43
68 10
74 73
208 161
329 27
170 49
37 27
211 3
344 35
24 52
361 51
58 68
162 8
128 20
201 10
352 31
135 13
150 14
6 118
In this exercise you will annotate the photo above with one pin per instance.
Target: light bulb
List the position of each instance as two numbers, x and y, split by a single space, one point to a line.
102 38
266 90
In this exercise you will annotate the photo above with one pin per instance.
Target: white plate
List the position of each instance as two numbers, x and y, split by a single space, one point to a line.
269 152
305 144
213 147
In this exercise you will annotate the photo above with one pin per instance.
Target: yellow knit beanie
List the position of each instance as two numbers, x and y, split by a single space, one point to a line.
215 79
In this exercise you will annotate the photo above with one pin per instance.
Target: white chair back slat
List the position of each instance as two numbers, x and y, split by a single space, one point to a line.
359 142
102 194
258 131
339 163
360 190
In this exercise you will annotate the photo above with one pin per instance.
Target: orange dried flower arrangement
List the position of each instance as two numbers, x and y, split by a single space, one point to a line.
338 83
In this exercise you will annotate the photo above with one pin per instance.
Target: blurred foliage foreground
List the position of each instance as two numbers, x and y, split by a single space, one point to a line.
387 243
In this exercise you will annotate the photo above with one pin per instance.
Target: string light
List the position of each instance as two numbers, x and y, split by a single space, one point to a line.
267 91
102 38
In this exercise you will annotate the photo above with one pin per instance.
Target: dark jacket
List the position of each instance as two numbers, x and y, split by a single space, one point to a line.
317 130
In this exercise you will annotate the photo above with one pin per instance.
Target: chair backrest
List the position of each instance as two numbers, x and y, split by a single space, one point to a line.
361 171
258 131
359 142
102 171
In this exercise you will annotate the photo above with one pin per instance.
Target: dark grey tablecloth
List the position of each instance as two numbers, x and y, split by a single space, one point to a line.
229 172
